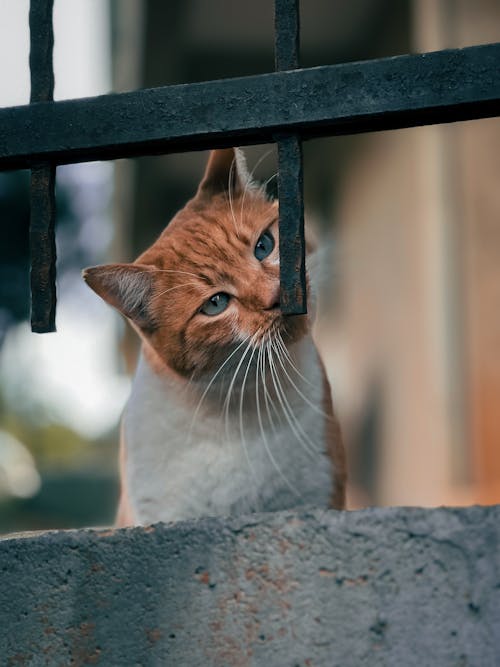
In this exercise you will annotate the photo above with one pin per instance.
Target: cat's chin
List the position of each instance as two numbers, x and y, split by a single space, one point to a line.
202 361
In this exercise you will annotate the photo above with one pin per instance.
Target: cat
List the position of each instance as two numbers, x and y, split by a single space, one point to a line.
230 410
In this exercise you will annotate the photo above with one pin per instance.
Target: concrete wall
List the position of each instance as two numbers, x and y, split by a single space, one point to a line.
398 587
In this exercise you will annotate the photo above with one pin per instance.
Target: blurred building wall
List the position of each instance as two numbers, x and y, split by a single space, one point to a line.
477 183
418 323
412 325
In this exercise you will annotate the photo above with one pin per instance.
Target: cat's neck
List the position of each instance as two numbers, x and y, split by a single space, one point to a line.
240 371
188 456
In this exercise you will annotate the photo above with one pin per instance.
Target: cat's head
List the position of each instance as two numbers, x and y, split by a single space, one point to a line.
211 280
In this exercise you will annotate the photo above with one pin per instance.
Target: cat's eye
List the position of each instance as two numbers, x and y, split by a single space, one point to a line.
216 304
264 246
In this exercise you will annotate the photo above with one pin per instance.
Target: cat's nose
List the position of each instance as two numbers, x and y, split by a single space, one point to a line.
273 299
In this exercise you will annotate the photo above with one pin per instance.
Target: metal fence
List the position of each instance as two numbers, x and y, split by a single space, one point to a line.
286 106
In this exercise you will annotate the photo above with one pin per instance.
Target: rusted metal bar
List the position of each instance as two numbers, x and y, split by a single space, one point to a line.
43 209
293 297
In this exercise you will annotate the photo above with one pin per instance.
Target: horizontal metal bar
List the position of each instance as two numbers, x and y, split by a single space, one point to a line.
390 93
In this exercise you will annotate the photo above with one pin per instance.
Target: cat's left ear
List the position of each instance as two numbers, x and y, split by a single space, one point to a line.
126 287
226 171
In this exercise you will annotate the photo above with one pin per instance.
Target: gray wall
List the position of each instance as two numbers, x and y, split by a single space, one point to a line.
395 587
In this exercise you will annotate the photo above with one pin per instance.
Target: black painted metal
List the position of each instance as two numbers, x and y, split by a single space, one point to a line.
286 106
41 48
389 93
43 249
287 34
42 219
292 243
293 293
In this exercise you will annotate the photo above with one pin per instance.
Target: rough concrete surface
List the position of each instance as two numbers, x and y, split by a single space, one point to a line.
396 587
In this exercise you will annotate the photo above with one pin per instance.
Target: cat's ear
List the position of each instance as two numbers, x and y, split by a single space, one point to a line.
226 171
126 287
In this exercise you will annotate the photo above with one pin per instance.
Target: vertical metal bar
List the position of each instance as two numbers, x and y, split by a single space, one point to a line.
290 173
41 48
287 34
43 211
292 242
43 249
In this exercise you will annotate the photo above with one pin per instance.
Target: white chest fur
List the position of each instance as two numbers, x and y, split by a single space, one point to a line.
183 463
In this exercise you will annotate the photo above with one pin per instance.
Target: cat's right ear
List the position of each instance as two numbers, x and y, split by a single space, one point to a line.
126 287
226 171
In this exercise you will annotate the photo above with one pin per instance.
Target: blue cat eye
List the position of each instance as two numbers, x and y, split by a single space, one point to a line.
216 304
264 246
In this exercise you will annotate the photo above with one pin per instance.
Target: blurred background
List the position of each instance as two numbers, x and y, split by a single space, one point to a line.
409 323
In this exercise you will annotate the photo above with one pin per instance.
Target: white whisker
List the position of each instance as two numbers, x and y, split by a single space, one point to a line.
303 396
249 183
227 401
242 434
155 296
267 396
281 343
299 433
266 183
187 273
207 389
230 193
261 426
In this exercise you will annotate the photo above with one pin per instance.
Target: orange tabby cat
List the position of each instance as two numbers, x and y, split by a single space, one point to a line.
230 410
